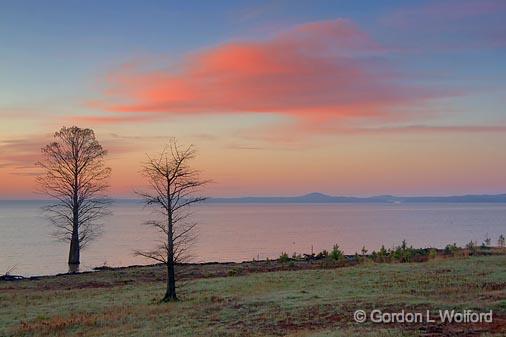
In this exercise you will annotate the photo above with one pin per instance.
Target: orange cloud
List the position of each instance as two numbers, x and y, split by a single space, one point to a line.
316 71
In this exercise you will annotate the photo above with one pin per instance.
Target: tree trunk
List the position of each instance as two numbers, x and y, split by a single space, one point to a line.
74 248
74 258
170 294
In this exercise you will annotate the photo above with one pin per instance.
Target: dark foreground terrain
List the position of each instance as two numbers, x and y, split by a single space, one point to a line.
295 299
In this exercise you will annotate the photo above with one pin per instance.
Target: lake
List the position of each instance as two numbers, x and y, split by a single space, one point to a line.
238 232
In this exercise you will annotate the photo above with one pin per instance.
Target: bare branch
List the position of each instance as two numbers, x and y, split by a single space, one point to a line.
175 186
76 178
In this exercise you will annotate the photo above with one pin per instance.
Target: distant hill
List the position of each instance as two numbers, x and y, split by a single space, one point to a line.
324 198
327 199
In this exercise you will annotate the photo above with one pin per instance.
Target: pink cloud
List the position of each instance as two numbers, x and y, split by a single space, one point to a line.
315 72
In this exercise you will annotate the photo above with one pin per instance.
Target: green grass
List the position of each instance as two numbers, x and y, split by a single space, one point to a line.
317 302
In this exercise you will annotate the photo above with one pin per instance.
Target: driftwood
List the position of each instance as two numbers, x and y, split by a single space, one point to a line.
8 277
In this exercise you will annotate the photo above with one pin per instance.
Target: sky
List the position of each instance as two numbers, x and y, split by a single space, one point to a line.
279 97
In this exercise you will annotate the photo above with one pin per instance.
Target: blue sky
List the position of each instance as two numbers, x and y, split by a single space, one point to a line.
427 71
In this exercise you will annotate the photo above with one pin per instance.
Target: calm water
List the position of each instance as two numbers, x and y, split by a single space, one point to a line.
242 232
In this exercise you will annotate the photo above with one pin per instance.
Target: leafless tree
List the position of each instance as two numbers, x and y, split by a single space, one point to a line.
75 176
174 187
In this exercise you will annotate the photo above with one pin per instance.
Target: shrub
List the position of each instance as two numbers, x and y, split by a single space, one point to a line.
500 241
233 272
403 254
487 241
382 255
283 257
471 247
374 255
364 250
336 253
451 249
382 252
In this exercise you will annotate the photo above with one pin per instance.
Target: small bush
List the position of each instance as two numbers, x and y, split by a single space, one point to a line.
404 254
233 272
382 255
487 241
451 249
471 247
374 255
336 254
500 241
364 251
284 257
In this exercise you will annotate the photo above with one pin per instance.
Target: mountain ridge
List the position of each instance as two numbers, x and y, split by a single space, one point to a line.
317 197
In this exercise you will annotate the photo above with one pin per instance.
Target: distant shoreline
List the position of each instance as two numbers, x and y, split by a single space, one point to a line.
380 199
320 198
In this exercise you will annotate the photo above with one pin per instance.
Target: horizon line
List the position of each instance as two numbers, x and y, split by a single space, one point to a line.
303 195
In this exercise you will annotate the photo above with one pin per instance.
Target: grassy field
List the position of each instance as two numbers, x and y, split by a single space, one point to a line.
312 302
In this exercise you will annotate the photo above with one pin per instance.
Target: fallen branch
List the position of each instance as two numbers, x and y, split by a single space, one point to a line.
8 277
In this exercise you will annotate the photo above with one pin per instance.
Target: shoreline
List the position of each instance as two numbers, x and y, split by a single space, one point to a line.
300 262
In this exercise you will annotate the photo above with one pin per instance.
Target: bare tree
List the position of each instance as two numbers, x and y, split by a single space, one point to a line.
76 178
174 187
